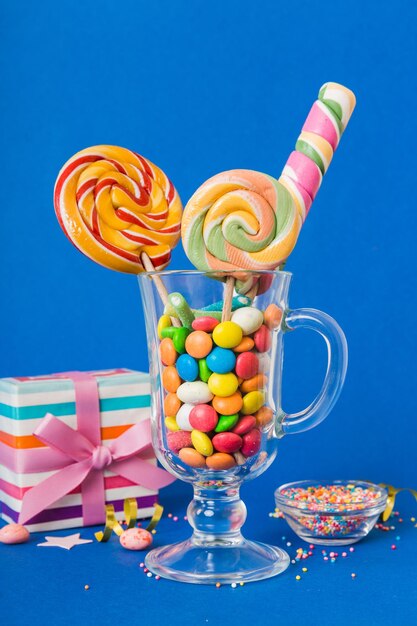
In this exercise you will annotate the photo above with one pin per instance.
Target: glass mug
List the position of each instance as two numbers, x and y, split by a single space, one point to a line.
217 551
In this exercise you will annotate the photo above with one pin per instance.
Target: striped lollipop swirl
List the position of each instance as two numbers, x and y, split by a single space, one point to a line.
114 205
240 220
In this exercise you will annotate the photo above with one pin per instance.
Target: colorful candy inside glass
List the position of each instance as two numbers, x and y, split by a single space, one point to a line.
215 403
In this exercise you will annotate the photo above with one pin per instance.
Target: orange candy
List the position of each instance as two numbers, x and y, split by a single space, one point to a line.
253 384
245 345
228 406
167 351
264 416
170 379
172 404
198 344
220 461
191 457
272 316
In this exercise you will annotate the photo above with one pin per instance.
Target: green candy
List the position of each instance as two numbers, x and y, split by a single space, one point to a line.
168 331
182 310
179 337
226 422
305 148
204 370
202 313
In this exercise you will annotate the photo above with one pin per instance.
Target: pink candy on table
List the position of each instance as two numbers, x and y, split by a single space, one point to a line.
14 533
136 539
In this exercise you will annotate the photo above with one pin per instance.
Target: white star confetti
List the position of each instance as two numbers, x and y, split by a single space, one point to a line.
64 542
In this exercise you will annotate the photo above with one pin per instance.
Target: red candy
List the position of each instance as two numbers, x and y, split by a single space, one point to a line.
179 439
244 425
204 418
247 365
251 442
208 324
227 442
262 339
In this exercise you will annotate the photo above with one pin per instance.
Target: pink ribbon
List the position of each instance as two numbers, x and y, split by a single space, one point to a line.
87 458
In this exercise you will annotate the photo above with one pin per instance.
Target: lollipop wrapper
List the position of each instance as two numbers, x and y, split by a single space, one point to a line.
94 412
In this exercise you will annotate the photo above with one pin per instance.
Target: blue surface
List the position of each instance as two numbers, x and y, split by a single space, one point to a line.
199 87
48 583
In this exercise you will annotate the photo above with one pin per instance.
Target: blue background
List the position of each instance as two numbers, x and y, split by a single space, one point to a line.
199 87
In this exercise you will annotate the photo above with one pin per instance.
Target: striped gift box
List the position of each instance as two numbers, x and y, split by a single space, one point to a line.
124 397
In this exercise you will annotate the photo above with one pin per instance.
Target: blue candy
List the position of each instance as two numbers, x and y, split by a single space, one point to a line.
221 361
237 303
187 367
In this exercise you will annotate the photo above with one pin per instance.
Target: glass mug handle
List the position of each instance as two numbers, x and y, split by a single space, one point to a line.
337 359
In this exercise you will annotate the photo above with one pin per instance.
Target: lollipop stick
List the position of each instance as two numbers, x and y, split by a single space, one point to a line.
228 296
253 291
160 287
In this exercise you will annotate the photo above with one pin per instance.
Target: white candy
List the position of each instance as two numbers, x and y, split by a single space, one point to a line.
183 415
248 318
194 393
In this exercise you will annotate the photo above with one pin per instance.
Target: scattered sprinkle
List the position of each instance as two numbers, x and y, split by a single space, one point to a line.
289 544
344 554
353 575
305 569
241 584
141 564
233 585
218 585
298 577
157 577
351 549
393 547
149 574
86 587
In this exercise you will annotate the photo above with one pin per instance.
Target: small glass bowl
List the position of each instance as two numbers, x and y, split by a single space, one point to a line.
331 524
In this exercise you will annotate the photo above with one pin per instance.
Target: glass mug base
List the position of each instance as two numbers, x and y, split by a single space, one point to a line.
241 562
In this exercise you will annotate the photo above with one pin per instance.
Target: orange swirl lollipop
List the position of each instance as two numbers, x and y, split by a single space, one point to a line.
118 208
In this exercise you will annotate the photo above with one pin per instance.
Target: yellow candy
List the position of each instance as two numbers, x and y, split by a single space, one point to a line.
202 443
163 322
223 385
252 402
227 335
171 424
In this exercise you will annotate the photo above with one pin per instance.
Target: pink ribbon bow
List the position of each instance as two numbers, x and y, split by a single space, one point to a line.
86 462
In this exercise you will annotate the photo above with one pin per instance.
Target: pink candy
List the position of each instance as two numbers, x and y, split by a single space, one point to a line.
227 442
136 539
262 339
14 533
305 172
247 365
251 442
204 418
321 122
206 323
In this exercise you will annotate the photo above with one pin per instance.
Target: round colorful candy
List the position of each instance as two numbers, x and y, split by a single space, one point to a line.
203 370
202 443
272 316
167 351
163 322
171 404
263 339
194 393
255 383
179 337
14 533
187 367
192 457
227 334
136 539
251 442
170 379
183 417
226 422
244 425
228 406
249 319
198 344
203 417
221 360
247 365
171 423
252 402
227 442
220 461
205 323
223 385
264 416
245 345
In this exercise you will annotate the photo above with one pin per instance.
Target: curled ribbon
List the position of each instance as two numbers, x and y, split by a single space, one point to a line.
130 508
392 494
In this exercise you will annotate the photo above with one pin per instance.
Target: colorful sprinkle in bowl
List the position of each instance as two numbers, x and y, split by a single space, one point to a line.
337 512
